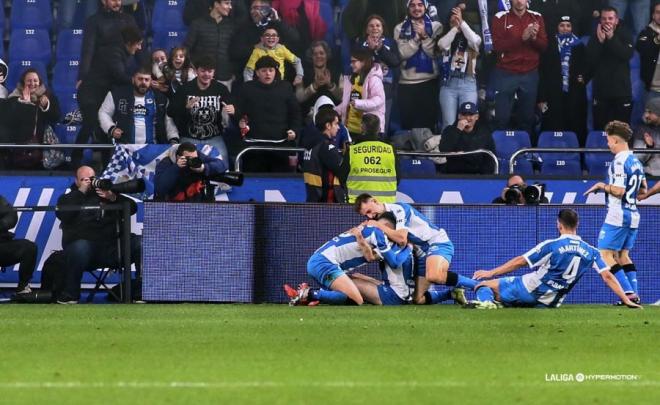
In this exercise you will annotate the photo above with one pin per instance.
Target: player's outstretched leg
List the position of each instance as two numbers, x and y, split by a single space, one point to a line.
487 296
630 272
436 297
437 271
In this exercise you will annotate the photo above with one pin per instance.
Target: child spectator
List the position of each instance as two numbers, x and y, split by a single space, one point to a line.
176 71
270 46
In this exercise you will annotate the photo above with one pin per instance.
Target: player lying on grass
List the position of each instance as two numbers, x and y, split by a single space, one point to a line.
329 264
413 227
561 262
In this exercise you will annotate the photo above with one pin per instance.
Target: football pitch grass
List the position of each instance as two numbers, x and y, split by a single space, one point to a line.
323 355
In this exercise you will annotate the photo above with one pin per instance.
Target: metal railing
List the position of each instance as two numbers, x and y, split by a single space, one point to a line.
566 150
57 146
239 157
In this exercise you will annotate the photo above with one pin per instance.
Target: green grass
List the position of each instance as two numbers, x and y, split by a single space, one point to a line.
276 354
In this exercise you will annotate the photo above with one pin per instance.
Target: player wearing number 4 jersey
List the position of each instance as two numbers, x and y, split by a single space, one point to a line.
560 262
625 181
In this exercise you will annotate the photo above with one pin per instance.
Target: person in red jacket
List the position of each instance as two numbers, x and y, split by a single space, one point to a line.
519 38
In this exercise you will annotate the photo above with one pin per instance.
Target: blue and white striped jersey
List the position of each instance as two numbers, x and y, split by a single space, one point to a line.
561 262
626 172
344 250
400 279
421 231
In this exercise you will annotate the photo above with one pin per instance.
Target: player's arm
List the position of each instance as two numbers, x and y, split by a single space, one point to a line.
508 267
614 191
395 257
365 247
614 285
398 236
646 194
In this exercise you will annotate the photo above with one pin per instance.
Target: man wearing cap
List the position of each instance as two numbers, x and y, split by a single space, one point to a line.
647 136
465 135
562 85
625 179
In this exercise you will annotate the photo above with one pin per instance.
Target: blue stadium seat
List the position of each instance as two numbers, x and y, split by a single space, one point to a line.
597 163
16 69
416 167
65 75
2 23
559 163
30 44
508 142
168 40
67 134
68 101
168 16
69 44
33 14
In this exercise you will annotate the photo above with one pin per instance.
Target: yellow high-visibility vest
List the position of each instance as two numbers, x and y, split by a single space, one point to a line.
373 171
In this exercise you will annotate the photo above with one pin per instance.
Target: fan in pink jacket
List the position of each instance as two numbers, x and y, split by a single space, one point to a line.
363 92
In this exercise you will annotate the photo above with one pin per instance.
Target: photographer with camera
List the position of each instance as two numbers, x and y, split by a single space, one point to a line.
14 251
90 236
184 175
517 192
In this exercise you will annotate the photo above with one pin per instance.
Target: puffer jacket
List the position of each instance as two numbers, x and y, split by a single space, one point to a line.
373 96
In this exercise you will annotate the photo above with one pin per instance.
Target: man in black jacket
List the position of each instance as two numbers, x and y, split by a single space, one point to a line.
609 52
211 35
648 46
89 237
14 251
465 135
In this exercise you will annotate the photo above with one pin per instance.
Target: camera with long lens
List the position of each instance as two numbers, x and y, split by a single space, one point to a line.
194 162
127 187
534 194
514 194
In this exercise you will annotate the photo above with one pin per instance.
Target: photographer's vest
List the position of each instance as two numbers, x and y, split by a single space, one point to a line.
155 106
373 171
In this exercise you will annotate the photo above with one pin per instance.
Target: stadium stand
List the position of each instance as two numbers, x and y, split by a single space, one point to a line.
65 75
28 44
597 163
69 44
68 100
31 14
416 167
559 163
508 142
16 69
168 16
168 39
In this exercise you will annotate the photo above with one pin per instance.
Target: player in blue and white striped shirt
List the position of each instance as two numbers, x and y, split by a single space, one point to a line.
625 180
561 262
330 263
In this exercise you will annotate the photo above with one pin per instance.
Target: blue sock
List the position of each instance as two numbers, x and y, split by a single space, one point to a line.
631 275
330 297
466 282
485 294
436 297
623 280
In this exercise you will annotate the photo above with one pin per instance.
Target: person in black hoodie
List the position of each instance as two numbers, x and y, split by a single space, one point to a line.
648 46
562 95
14 251
89 237
609 51
269 107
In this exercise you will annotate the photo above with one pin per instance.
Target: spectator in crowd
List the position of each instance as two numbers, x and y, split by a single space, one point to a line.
637 10
648 46
322 162
563 80
89 237
112 66
158 59
553 11
211 35
195 9
4 135
465 135
158 56
12 251
460 49
101 32
355 13
609 51
4 70
31 109
319 79
203 107
519 38
647 136
137 114
269 107
311 136
370 165
416 39
386 54
177 71
262 15
270 46
184 173
363 92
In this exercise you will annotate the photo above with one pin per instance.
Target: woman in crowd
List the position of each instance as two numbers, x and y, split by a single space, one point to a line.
363 92
31 109
320 79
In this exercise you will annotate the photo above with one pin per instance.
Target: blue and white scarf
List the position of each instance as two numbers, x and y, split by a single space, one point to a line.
420 60
566 42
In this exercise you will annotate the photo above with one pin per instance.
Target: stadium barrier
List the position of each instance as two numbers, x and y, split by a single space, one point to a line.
523 151
425 155
245 252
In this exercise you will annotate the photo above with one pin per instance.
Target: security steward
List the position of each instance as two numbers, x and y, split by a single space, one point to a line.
371 164
321 164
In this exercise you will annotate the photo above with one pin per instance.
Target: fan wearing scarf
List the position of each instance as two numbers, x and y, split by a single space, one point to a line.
562 89
416 39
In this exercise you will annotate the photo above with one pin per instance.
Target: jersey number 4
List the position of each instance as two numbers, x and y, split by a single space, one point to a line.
572 270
